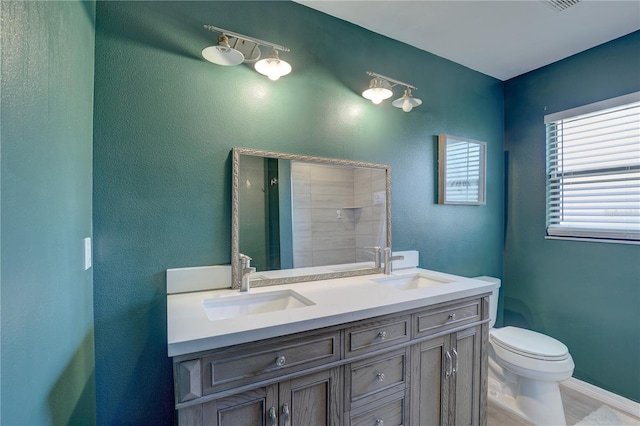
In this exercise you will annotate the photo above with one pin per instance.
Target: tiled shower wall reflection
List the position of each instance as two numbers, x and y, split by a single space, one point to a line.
338 213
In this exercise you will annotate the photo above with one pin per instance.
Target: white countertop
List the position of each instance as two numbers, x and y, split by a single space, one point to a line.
335 301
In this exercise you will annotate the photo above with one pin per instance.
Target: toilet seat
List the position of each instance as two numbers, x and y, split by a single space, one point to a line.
529 344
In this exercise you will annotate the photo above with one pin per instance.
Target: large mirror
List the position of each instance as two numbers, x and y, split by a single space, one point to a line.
461 170
303 218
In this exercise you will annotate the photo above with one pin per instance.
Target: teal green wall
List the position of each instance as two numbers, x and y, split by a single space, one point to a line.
585 294
166 120
46 144
253 200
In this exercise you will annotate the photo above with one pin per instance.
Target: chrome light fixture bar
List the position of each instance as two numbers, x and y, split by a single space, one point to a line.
246 49
380 89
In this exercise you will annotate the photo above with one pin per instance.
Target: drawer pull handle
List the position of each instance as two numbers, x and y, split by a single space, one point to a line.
382 335
452 316
281 361
286 413
273 416
455 362
380 377
448 364
379 422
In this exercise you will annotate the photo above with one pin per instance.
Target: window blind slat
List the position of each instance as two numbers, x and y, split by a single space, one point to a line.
593 172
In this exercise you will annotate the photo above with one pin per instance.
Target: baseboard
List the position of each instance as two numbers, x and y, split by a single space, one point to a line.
616 401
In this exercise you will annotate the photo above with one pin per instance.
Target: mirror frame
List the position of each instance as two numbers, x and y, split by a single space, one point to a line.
443 141
235 222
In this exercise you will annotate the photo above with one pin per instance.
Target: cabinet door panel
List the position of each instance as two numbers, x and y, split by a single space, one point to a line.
191 416
467 377
430 391
248 408
314 400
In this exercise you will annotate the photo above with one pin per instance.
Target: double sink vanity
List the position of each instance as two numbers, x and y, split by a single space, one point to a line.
325 345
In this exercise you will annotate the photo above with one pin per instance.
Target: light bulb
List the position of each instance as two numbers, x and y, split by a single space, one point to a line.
273 67
407 102
379 90
273 74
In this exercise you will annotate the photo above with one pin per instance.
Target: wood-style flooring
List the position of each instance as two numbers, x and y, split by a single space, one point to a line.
576 407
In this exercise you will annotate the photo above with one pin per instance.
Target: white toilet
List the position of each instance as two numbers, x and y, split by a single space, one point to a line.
525 369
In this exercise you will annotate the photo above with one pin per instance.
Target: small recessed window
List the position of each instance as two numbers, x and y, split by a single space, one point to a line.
593 171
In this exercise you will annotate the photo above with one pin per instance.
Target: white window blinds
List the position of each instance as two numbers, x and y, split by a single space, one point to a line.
593 170
463 172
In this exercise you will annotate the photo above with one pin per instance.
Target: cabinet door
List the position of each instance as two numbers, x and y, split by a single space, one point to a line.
257 407
313 400
430 382
466 361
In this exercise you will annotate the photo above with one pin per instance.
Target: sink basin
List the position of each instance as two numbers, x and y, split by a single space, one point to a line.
409 282
218 308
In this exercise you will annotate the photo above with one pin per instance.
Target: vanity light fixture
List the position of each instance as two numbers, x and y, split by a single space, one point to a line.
407 102
273 67
223 53
234 49
380 89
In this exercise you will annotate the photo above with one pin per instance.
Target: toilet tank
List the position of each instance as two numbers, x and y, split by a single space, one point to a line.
493 299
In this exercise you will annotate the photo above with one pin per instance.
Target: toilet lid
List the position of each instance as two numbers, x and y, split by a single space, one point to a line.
529 343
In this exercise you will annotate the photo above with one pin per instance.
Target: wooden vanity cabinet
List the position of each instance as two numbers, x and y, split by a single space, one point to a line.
309 400
448 371
451 366
422 367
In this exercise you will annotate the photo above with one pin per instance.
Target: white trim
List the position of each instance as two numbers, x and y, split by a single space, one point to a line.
592 240
613 400
596 106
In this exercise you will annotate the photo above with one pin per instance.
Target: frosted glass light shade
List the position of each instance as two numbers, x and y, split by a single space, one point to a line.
223 54
273 67
407 102
379 90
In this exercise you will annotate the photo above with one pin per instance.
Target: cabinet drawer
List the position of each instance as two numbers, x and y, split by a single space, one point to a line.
388 412
439 319
375 375
251 363
370 336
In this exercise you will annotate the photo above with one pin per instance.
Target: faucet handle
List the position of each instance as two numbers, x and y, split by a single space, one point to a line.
245 260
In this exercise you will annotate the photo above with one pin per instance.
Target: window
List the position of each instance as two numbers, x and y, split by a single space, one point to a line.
593 171
461 170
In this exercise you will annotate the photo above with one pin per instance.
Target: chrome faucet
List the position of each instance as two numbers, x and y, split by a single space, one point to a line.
245 272
388 259
376 254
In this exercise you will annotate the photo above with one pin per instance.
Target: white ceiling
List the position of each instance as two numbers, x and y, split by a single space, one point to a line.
500 38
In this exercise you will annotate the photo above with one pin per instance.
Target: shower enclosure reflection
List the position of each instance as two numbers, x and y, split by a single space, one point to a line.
322 215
